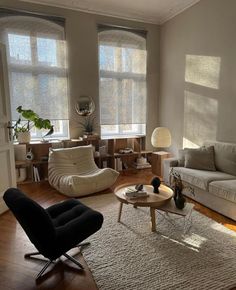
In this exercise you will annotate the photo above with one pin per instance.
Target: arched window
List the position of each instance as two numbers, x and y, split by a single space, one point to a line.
37 67
122 85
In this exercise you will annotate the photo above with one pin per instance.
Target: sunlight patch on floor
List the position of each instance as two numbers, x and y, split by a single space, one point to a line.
181 243
222 229
195 240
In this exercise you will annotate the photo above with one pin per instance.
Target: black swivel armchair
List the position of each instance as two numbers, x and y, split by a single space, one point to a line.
54 230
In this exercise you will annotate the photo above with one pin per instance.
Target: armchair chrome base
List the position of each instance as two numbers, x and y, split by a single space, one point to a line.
49 262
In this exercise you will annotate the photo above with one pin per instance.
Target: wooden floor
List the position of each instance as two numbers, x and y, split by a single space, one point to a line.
17 273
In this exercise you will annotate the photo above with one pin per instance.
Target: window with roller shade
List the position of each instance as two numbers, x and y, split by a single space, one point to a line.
122 82
37 66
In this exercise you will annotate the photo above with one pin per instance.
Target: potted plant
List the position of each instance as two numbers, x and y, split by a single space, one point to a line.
178 186
88 125
22 129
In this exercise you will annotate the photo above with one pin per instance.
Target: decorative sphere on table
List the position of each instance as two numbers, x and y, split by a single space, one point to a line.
156 182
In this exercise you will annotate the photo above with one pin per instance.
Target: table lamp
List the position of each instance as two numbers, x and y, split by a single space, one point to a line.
161 137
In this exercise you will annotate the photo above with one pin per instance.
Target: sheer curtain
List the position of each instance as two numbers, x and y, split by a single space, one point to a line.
122 86
37 68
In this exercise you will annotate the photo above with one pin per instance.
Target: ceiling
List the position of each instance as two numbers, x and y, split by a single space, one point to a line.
150 11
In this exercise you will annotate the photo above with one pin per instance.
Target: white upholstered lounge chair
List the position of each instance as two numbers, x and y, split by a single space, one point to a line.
73 171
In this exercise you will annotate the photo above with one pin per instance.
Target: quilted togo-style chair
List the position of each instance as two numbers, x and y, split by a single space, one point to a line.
73 172
55 230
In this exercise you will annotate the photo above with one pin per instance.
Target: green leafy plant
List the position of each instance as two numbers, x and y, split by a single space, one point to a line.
32 120
88 124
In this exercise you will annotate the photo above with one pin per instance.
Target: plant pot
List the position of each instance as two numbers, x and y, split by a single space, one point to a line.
23 137
179 199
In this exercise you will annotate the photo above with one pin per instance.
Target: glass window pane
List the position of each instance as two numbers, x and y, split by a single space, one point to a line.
127 59
106 58
19 48
47 51
109 101
61 130
134 60
22 92
52 91
125 93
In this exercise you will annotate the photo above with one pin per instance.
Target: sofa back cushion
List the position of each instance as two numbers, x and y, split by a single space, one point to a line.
200 158
197 158
225 156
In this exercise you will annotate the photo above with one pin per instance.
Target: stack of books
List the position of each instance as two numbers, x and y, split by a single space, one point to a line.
118 164
141 166
141 163
131 192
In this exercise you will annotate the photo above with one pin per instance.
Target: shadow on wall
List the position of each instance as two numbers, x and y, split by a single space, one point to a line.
200 112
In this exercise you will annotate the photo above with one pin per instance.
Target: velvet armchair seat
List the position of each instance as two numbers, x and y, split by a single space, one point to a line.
54 230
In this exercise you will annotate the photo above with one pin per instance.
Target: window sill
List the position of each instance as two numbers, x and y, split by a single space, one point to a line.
122 136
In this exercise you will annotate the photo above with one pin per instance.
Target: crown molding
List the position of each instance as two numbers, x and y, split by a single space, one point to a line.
175 13
84 6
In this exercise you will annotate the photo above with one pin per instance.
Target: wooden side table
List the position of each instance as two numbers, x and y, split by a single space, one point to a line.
157 162
185 213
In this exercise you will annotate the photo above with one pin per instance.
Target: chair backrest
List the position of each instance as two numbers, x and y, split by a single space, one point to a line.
75 160
33 218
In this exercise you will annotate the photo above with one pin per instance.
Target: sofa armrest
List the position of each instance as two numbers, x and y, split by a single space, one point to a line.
168 163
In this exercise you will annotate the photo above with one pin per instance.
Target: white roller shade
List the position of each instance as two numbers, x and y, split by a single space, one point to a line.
37 65
122 90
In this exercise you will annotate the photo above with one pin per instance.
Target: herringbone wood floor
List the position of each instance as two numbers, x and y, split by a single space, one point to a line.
17 273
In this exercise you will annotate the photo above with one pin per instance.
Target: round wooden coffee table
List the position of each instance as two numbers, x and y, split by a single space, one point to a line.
153 200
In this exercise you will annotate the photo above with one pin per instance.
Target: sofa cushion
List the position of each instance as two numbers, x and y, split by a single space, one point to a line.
201 158
225 189
201 178
225 156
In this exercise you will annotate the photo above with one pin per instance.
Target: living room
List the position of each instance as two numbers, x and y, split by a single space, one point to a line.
189 90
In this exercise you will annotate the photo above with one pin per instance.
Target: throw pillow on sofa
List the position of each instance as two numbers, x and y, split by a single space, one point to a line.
201 158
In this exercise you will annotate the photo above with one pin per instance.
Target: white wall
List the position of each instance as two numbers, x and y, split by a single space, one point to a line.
198 74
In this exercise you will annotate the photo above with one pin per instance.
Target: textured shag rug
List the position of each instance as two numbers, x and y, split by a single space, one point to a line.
128 255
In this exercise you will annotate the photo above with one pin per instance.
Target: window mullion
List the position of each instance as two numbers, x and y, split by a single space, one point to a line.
33 45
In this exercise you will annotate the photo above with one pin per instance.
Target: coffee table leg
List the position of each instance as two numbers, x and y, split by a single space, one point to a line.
153 219
120 210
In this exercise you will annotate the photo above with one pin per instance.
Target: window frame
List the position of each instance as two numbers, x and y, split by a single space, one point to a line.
35 67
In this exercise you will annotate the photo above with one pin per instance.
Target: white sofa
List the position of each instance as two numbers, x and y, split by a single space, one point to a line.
214 189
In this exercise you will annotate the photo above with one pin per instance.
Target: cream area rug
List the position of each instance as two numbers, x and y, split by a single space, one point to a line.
128 255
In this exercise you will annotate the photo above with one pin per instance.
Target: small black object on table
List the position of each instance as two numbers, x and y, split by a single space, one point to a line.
156 182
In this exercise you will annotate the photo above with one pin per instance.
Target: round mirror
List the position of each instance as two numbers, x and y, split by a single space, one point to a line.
85 106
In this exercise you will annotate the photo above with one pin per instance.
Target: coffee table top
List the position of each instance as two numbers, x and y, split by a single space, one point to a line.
152 200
